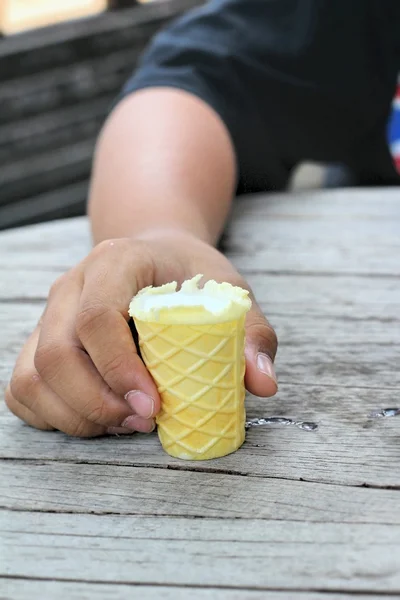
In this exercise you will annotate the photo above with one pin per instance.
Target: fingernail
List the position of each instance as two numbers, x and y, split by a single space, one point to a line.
141 403
139 424
120 431
265 365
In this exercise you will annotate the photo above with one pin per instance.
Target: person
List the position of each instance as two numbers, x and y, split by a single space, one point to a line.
227 99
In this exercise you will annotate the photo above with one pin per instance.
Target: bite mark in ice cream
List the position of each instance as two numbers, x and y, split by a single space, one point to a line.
153 303
213 303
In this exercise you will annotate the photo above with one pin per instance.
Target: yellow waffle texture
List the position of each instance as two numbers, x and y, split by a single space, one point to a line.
199 372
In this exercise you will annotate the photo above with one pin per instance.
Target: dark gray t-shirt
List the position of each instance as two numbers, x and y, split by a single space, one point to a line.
293 80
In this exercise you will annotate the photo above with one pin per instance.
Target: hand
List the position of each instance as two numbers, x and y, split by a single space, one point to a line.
79 372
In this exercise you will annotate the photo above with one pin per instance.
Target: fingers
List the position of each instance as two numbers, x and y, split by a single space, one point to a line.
31 399
55 383
23 413
22 379
261 347
49 406
102 323
67 370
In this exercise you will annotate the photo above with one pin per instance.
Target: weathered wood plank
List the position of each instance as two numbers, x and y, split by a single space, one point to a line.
59 590
342 204
334 241
230 553
49 171
70 199
110 489
356 353
52 89
52 130
35 246
346 231
344 450
69 42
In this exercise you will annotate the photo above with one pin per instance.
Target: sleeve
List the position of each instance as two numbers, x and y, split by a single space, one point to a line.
300 79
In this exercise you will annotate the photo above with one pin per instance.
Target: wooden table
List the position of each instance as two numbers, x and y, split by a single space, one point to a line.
294 514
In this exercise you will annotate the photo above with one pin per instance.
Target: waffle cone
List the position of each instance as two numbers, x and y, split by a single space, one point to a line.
199 371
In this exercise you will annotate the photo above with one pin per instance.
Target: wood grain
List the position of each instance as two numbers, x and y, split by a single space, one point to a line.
40 239
107 489
47 205
59 86
57 590
174 551
62 45
341 231
47 171
53 129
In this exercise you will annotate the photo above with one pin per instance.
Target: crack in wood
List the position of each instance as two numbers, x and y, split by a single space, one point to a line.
307 589
199 517
192 469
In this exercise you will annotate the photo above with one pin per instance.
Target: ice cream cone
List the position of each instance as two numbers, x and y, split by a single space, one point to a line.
192 342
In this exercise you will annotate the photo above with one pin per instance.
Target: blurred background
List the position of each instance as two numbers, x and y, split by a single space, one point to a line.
62 63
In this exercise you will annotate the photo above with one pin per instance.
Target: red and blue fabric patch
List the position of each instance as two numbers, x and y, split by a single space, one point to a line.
394 129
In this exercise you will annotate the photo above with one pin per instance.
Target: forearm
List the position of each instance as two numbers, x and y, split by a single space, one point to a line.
163 161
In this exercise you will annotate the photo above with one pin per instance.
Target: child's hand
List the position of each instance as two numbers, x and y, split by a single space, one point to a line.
79 371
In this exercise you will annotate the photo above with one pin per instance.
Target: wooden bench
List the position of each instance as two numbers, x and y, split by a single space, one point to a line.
58 84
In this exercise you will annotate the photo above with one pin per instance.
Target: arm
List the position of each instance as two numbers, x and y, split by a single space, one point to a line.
165 168
164 161
163 180
164 176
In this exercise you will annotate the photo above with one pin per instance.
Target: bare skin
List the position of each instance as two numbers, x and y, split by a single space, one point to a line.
162 186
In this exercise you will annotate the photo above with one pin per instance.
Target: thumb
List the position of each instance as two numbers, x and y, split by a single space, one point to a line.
260 350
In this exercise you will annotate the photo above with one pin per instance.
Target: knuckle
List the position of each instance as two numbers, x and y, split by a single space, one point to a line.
19 409
261 329
9 399
81 428
96 413
114 368
237 280
89 320
226 272
48 359
21 386
104 246
57 284
125 249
